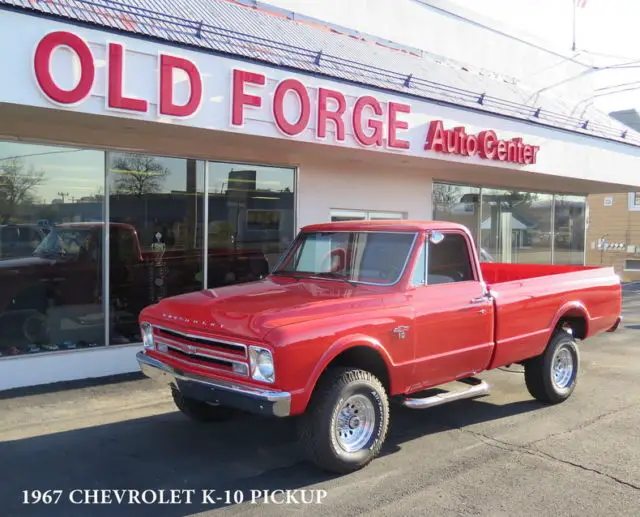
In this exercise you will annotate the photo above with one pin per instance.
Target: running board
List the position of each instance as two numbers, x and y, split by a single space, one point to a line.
476 388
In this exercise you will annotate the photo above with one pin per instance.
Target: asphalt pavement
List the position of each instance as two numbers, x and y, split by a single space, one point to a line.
501 455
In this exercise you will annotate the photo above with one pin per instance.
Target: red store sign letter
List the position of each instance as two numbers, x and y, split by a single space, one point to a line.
167 105
42 67
325 114
376 137
395 124
115 96
241 99
289 128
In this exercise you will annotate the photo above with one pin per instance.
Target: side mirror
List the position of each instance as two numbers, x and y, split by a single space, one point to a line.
436 237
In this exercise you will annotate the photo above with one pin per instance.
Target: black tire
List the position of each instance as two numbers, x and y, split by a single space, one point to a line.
317 426
539 371
201 411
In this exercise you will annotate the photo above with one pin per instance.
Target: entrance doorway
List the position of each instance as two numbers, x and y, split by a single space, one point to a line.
363 215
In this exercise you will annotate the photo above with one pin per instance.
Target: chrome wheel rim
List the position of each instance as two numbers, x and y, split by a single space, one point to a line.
355 423
563 368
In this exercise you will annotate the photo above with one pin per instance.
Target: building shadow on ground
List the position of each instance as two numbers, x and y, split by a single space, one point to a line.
170 452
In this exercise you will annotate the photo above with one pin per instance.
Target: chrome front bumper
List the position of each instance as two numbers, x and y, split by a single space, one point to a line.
252 400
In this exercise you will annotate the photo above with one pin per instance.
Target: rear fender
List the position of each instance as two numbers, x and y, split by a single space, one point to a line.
573 309
336 349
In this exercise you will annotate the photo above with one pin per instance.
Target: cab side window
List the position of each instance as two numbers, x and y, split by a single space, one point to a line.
449 261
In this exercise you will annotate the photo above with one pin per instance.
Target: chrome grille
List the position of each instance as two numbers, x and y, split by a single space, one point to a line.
211 353
221 347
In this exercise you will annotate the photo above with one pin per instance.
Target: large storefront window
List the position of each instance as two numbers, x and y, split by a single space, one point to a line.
516 226
155 237
457 204
51 254
250 220
161 239
570 228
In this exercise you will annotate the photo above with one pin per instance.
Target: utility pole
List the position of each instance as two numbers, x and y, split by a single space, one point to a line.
63 195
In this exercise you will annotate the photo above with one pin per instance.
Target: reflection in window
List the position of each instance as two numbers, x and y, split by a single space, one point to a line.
516 226
570 218
156 247
251 220
457 204
51 205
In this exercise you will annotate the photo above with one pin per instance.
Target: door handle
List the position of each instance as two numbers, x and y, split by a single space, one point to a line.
484 298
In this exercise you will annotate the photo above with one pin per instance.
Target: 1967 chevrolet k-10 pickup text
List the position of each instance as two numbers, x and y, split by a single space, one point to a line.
358 314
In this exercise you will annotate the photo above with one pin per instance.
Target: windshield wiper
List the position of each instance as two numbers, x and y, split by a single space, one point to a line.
337 276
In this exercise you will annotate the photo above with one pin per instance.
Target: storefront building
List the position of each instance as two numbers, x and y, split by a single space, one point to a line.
134 168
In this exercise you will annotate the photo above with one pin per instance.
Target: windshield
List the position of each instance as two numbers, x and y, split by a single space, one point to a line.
370 257
68 241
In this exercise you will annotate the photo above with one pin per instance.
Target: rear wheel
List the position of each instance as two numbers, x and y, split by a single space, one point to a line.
346 422
201 411
552 376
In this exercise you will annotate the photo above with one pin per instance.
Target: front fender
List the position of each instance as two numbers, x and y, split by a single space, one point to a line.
339 346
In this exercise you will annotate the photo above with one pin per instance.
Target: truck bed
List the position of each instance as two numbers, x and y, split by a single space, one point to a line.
496 272
531 299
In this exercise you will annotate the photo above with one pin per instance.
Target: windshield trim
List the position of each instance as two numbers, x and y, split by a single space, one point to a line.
294 245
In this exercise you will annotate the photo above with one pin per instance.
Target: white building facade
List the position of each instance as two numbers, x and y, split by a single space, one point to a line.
136 168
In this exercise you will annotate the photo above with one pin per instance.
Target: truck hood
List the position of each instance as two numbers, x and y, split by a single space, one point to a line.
253 309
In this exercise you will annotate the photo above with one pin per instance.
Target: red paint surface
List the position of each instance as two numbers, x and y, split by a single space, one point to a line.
307 322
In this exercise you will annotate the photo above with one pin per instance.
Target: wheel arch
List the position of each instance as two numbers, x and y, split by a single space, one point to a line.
574 316
358 352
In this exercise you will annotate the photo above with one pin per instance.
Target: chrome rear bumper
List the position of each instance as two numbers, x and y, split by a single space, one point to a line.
252 400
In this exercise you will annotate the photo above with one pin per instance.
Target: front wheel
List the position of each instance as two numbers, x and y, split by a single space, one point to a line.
346 422
201 411
552 376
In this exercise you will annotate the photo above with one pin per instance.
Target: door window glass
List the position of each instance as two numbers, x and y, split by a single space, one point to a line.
449 261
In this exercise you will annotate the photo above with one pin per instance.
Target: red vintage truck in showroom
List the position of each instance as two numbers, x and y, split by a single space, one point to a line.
359 314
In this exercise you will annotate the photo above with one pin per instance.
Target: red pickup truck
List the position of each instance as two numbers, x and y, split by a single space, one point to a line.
358 314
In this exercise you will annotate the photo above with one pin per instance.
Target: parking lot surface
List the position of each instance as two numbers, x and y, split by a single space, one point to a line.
504 454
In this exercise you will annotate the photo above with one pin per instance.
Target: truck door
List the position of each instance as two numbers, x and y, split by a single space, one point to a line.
453 316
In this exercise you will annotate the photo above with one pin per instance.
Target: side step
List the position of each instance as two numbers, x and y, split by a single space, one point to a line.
476 388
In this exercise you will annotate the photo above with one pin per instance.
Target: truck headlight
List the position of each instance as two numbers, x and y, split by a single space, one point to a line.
261 361
147 335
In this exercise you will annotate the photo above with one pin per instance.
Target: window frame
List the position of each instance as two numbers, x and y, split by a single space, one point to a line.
289 256
427 245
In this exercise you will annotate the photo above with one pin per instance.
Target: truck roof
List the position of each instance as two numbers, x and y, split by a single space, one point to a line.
404 225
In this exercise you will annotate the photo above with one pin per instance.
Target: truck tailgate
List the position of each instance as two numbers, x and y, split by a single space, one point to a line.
530 300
